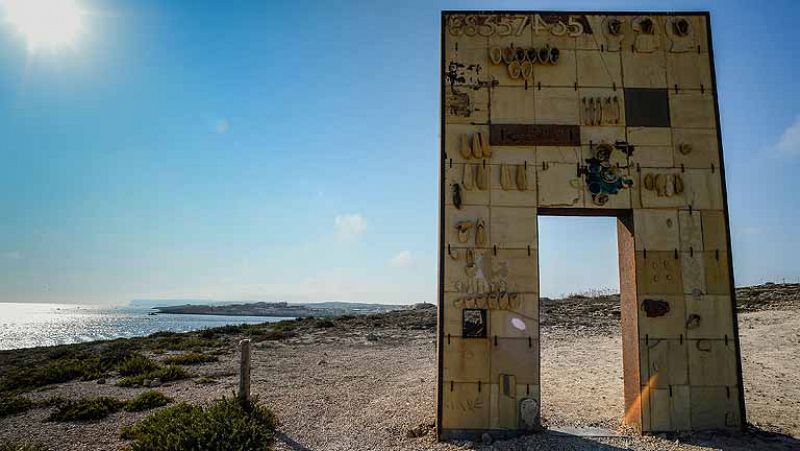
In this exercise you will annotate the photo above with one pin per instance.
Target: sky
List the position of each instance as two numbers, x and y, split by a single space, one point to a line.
289 151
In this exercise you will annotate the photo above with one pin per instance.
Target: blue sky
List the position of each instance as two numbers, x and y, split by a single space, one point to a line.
287 150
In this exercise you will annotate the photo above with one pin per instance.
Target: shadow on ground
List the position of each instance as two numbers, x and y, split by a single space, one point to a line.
753 438
290 442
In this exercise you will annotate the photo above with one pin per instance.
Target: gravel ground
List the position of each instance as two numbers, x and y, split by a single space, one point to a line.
345 389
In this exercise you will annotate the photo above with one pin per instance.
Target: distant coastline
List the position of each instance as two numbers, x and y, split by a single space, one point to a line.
278 309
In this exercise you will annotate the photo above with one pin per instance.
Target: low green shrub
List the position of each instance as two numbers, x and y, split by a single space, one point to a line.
165 374
285 325
323 324
230 329
117 351
86 409
66 363
64 369
224 425
22 446
12 405
136 364
163 333
146 401
189 358
53 401
184 343
273 335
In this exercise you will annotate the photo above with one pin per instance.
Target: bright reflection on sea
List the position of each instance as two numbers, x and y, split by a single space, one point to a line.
30 325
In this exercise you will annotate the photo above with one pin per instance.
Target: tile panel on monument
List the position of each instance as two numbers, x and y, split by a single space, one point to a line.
517 356
709 316
467 66
685 34
459 135
658 273
466 105
465 405
715 236
656 230
691 230
514 227
467 216
603 107
507 324
559 154
695 147
599 69
692 109
652 157
559 185
598 134
456 38
704 188
666 409
504 402
714 407
556 106
649 136
466 359
547 31
511 30
453 316
693 273
464 175
662 316
512 105
663 188
592 37
463 270
517 268
647 107
562 73
688 71
712 362
644 70
525 305
665 362
659 410
517 192
618 201
489 270
513 155
717 272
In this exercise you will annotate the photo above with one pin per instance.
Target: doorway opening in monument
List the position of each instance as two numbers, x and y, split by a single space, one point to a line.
581 347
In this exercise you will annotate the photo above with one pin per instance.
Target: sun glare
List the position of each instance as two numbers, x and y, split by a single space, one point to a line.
45 24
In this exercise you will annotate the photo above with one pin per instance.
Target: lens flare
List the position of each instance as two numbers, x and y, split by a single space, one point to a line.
45 24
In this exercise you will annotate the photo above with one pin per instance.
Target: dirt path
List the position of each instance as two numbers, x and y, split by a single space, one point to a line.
345 390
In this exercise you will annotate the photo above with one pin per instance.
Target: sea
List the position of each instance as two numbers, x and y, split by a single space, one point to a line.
30 325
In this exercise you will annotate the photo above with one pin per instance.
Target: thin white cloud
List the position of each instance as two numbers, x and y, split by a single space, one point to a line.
222 126
402 260
789 143
350 226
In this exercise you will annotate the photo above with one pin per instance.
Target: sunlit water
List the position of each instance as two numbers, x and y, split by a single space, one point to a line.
30 325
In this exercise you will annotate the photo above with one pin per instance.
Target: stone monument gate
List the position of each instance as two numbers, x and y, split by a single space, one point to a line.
564 113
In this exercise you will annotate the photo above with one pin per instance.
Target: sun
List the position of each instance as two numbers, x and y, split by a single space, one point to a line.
45 24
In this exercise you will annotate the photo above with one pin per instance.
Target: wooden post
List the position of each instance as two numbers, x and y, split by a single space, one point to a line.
244 370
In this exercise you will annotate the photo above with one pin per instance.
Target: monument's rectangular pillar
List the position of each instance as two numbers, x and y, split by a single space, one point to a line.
583 114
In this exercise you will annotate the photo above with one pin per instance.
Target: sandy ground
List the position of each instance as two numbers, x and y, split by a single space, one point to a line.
350 391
